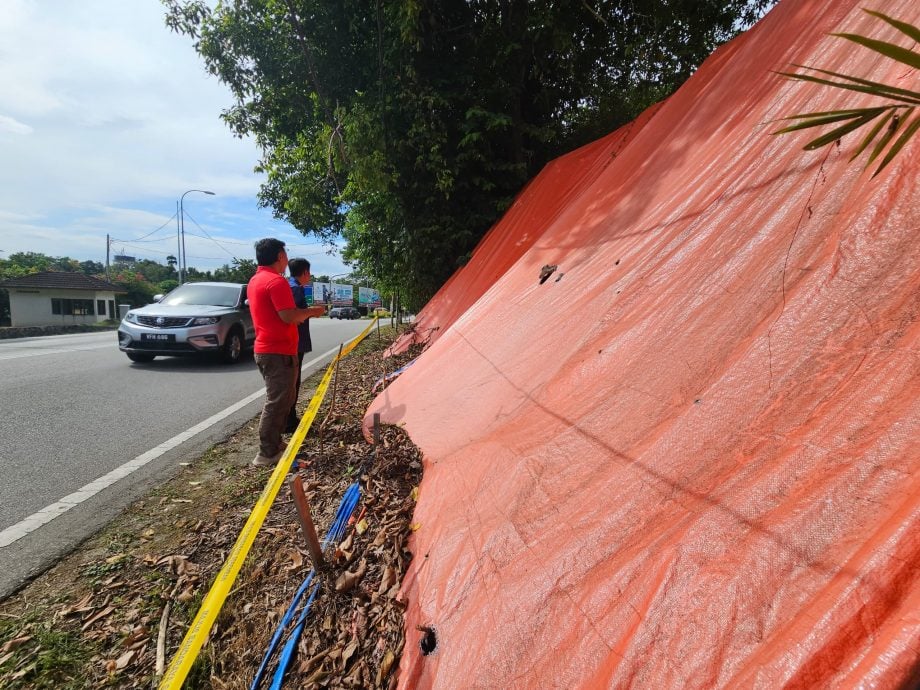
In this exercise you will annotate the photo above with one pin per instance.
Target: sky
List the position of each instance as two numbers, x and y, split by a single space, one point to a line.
106 119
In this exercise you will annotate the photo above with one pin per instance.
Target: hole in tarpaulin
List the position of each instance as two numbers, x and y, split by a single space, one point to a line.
429 641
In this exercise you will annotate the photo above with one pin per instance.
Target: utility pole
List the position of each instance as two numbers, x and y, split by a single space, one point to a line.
108 246
178 244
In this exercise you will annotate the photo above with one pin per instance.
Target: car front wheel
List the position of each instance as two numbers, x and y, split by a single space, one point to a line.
140 357
232 350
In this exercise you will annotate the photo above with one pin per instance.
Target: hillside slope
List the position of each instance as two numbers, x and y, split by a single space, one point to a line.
690 457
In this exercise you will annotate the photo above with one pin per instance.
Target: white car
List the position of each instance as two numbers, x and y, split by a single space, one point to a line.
193 318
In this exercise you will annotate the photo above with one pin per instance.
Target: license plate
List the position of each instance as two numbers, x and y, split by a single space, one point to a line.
167 337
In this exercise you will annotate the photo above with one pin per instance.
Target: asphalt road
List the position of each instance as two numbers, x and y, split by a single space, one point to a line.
74 409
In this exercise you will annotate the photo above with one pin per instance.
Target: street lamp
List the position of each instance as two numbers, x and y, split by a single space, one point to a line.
183 264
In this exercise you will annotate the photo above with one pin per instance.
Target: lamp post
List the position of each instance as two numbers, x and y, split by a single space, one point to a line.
183 264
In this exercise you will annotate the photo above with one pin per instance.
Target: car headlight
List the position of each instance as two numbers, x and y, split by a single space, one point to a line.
205 320
131 317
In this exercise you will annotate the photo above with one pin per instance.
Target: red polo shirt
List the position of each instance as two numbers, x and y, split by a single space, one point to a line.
269 293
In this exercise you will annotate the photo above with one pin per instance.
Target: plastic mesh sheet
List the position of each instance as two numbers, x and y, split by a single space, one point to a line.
690 457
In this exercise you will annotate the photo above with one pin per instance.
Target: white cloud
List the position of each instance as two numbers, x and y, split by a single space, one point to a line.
8 124
107 118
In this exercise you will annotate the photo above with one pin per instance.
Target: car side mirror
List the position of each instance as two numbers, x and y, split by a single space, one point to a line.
157 298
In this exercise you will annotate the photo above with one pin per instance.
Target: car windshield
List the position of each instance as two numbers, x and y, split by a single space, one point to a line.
212 295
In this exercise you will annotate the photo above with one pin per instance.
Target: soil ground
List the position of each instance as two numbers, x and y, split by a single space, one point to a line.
95 618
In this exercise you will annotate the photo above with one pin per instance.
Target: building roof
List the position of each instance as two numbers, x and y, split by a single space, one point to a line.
60 279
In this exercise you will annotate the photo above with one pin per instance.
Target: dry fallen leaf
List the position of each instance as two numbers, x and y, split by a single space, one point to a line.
296 561
388 579
385 666
124 659
361 527
10 645
347 580
97 617
350 649
317 676
347 542
81 606
138 634
187 594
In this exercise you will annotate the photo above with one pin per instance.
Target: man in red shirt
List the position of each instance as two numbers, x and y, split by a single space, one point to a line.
275 317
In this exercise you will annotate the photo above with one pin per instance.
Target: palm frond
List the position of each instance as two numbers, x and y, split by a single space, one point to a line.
903 27
884 140
890 119
868 139
883 89
809 120
909 131
905 55
837 133
871 90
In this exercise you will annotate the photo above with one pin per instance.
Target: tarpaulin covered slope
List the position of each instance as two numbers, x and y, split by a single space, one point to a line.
693 460
556 188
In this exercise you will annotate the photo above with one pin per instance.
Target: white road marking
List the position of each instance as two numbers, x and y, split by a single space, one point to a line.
56 351
16 532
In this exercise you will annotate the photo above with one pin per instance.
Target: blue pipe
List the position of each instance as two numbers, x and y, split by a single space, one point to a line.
291 644
276 637
346 508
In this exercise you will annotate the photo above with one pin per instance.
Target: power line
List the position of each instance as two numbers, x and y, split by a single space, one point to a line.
155 251
142 237
232 255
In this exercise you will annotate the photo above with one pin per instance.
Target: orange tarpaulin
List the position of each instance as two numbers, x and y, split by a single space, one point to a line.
688 459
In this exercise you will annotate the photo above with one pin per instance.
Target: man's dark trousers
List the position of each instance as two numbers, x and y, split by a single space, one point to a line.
281 383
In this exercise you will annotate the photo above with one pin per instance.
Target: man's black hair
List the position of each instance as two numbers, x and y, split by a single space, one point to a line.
267 251
298 266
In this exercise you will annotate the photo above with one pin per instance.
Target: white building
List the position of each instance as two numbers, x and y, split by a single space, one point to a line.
55 298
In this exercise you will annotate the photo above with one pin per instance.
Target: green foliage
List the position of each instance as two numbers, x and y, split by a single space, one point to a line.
152 271
139 291
409 127
239 272
167 286
890 119
23 263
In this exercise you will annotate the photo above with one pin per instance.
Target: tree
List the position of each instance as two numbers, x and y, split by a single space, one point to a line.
154 271
139 291
240 271
409 127
167 286
92 268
